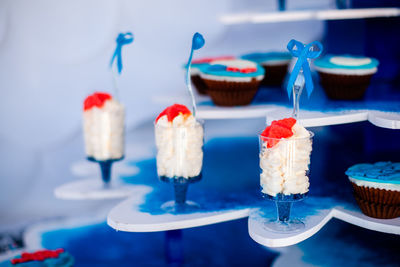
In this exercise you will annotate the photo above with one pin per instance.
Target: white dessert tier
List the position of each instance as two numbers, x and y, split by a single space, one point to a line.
356 72
385 186
179 146
104 131
285 165
275 62
230 78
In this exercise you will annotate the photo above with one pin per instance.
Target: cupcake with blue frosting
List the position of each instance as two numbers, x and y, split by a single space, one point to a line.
276 64
232 82
196 68
377 188
345 77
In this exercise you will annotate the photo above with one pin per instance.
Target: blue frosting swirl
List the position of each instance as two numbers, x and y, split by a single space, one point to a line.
380 172
221 70
260 57
325 62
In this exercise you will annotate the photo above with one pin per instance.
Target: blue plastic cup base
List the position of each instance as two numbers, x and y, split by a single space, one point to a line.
291 226
180 208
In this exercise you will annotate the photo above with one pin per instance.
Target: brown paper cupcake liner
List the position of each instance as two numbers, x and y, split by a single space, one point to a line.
274 74
224 93
199 84
375 195
344 87
379 211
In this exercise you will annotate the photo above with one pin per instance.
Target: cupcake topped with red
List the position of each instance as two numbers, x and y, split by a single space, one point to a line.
45 258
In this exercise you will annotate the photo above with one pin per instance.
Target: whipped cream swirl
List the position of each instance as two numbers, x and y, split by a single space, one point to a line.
104 130
285 165
179 146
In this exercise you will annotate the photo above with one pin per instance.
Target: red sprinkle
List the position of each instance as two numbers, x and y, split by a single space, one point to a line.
245 70
248 70
39 255
96 100
232 69
173 111
277 130
210 59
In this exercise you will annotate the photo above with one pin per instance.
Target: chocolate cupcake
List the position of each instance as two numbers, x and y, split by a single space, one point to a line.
232 82
196 69
376 188
345 77
276 64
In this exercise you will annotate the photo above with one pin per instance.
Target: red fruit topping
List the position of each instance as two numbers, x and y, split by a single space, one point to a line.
96 100
173 111
233 69
288 122
278 130
248 70
210 59
39 255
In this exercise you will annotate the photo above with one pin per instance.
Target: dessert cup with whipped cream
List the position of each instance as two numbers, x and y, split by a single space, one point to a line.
103 125
179 141
285 149
345 77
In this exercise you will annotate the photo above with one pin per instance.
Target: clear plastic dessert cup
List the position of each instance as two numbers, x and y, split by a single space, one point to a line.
284 166
180 161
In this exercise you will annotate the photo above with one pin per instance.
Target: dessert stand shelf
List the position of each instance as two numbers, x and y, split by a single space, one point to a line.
127 217
273 103
333 14
92 189
315 220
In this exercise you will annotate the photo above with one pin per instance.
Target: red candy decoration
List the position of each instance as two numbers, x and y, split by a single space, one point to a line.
210 59
245 70
232 69
248 70
39 255
96 100
278 130
173 111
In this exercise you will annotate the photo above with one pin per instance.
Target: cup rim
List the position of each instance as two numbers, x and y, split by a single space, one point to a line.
200 121
288 140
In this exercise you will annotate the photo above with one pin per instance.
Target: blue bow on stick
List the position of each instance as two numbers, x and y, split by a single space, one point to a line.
122 39
303 52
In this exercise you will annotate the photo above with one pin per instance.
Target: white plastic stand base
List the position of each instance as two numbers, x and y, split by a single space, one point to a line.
96 189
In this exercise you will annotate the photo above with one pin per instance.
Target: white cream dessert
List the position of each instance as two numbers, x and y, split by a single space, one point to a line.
179 141
284 158
103 125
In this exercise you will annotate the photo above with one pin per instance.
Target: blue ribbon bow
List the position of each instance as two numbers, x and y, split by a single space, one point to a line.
122 39
303 52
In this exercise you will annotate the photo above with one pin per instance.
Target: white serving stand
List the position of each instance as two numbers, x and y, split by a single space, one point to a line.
94 189
314 223
127 217
302 15
389 120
